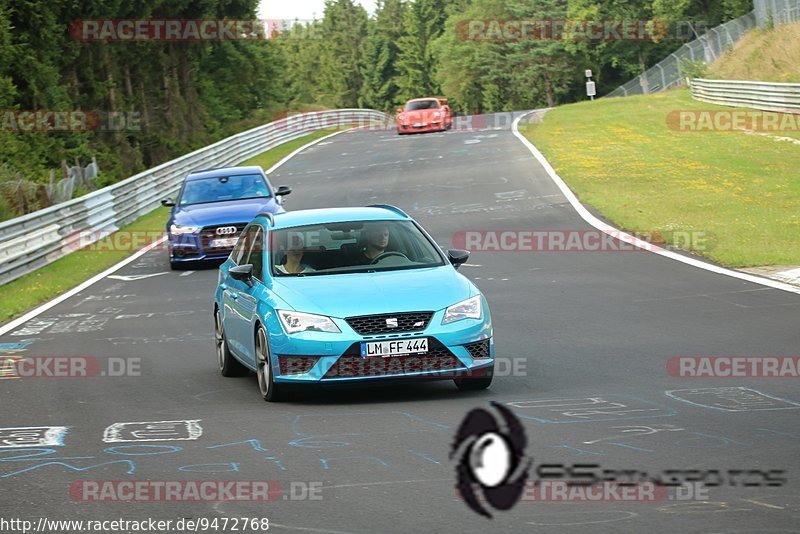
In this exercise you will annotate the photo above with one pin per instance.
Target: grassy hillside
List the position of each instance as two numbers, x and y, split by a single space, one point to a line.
621 156
766 55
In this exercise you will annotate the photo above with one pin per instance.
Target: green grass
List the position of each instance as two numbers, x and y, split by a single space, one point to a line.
763 55
54 279
46 283
620 157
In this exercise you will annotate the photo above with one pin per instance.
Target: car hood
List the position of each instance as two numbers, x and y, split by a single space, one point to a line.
346 295
230 212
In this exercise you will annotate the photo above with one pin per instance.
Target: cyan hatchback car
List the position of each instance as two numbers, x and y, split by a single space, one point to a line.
348 294
213 207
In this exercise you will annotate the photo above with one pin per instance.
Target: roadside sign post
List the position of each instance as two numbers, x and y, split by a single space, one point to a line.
590 88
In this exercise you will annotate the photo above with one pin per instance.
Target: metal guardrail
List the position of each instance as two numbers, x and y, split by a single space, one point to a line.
667 73
768 96
39 238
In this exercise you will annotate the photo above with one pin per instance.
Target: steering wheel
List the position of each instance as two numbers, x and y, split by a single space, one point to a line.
382 255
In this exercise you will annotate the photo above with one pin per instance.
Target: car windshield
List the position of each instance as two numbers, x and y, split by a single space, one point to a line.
359 246
422 104
222 188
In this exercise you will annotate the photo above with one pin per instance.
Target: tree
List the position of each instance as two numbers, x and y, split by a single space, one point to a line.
423 22
380 70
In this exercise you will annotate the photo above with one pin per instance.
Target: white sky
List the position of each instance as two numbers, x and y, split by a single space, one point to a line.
300 9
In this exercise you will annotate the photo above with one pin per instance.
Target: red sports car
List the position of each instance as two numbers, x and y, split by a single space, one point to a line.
424 115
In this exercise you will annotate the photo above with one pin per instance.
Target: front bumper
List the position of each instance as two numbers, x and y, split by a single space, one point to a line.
185 248
460 349
424 127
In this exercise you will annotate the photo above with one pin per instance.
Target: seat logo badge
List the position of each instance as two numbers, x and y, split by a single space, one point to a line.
226 230
391 322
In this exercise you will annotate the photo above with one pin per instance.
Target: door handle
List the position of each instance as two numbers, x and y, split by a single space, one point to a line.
234 296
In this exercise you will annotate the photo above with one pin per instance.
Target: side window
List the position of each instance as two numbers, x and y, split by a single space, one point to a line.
239 251
256 253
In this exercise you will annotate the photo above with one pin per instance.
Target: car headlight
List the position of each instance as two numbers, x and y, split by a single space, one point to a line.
436 115
294 322
466 309
176 229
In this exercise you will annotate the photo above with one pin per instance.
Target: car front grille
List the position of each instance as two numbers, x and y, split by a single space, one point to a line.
352 365
390 323
478 349
209 233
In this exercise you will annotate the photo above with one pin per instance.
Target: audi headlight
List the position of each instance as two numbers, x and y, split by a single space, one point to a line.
294 322
466 309
176 229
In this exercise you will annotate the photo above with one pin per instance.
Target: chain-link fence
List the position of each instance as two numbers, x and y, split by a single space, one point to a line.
707 48
670 71
19 196
771 13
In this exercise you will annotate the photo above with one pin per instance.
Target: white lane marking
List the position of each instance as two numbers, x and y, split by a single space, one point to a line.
77 289
134 277
32 436
792 275
187 273
732 399
627 238
153 431
309 145
11 325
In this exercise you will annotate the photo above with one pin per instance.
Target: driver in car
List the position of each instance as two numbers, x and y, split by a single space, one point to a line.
376 239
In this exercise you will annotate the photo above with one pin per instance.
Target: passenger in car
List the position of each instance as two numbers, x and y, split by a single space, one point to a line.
294 254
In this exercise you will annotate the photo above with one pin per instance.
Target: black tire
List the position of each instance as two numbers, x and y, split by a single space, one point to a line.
228 365
175 266
474 384
270 391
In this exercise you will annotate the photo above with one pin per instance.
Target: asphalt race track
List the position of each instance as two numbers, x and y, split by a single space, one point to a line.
590 334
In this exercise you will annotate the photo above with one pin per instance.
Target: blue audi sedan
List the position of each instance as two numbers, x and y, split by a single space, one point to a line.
344 295
212 209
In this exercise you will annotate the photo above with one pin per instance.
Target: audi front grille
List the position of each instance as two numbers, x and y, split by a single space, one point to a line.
209 233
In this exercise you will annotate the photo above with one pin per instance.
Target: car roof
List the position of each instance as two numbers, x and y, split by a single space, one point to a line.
424 98
291 219
224 171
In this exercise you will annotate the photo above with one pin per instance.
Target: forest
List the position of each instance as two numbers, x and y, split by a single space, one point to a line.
185 94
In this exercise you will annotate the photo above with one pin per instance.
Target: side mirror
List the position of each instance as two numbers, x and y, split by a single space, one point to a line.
168 202
399 110
283 190
457 256
243 273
